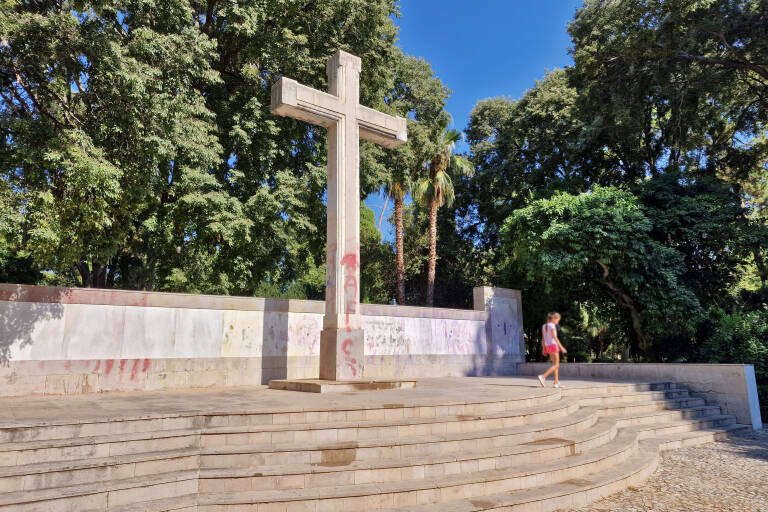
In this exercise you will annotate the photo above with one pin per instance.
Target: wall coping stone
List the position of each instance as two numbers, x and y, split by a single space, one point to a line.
97 296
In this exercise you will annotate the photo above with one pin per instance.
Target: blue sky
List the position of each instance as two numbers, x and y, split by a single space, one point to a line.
483 49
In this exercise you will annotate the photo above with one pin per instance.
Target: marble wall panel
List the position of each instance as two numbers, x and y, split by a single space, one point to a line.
243 333
198 333
149 332
93 331
304 334
275 334
30 330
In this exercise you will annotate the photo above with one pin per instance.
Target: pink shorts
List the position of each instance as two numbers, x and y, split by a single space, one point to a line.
552 349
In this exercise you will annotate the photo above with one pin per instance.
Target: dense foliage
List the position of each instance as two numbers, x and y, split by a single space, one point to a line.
628 191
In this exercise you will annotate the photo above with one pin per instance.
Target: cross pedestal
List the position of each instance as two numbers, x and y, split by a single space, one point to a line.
341 341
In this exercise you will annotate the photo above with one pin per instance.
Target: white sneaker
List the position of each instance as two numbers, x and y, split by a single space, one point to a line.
541 379
559 386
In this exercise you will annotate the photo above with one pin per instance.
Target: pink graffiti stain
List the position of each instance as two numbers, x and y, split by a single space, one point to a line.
145 366
351 263
110 364
122 364
98 365
68 365
351 361
135 369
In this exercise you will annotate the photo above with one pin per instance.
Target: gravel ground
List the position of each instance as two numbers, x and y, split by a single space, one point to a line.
726 476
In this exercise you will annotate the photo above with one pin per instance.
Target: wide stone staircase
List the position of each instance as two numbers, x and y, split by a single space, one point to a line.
559 449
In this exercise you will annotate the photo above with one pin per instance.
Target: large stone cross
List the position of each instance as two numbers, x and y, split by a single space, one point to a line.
339 110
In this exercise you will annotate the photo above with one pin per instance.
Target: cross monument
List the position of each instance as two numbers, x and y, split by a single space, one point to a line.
341 341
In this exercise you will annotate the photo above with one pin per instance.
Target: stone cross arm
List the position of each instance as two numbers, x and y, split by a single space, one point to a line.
292 99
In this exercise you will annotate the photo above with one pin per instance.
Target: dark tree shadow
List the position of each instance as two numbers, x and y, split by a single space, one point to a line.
274 350
20 320
752 444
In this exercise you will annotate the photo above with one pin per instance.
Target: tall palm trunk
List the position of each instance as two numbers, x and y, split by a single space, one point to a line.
399 246
433 205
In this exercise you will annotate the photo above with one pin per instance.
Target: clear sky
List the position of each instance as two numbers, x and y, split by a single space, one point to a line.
481 49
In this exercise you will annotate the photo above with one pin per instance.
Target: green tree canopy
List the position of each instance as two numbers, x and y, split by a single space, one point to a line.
599 244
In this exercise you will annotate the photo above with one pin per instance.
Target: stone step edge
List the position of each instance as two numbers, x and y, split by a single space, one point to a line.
95 440
622 443
100 462
141 436
53 493
554 395
605 427
433 438
626 440
639 467
475 504
607 451
50 467
581 416
670 412
562 404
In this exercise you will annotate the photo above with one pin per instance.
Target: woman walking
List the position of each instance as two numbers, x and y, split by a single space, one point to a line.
550 344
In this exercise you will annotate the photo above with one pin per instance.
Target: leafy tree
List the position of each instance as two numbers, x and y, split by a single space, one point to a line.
109 140
376 283
677 85
139 138
704 221
436 189
599 244
738 338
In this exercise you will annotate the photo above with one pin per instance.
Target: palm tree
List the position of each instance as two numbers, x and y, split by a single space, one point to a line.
397 188
436 189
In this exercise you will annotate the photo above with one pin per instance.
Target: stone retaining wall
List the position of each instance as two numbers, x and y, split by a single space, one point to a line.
74 340
731 386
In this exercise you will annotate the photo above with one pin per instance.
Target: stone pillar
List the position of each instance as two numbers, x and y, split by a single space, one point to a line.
341 341
504 329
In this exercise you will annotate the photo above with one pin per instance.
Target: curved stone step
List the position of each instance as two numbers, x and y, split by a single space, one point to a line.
299 476
439 489
397 448
83 471
393 428
33 452
628 397
17 432
100 495
639 408
659 416
416 426
578 491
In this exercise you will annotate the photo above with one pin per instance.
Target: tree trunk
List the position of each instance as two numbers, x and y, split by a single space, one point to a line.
432 252
383 209
629 304
95 275
399 247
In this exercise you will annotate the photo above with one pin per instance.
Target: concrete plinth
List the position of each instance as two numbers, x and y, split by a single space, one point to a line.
341 354
339 386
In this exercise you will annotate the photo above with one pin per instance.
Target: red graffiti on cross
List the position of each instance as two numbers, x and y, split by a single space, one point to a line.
350 262
351 361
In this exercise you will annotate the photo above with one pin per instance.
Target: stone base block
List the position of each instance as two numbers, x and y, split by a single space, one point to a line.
341 354
338 386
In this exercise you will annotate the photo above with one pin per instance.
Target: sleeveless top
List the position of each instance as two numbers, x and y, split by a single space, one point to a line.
548 332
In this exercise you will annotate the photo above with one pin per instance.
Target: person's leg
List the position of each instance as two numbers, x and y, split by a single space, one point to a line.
551 368
556 366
